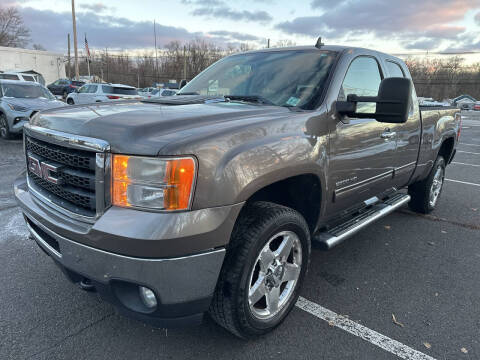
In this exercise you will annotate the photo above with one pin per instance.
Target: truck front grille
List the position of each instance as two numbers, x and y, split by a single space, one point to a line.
75 189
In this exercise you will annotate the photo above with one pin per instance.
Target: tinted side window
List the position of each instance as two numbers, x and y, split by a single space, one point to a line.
28 78
363 79
107 89
125 91
394 69
9 77
92 89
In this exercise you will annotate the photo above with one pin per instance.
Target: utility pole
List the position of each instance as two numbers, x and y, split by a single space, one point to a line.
156 54
69 69
75 40
268 43
88 58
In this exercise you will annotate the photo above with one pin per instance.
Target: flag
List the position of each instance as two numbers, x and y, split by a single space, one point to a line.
86 46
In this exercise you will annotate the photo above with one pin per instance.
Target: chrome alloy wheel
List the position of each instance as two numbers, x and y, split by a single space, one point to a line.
437 185
275 274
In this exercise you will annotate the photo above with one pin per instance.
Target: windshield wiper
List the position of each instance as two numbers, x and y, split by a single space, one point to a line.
250 98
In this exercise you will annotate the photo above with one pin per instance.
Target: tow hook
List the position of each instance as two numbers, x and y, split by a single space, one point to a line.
86 284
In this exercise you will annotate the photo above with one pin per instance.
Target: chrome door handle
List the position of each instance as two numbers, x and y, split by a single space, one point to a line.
388 135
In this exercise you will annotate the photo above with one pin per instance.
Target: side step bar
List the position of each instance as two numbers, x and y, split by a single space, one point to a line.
336 235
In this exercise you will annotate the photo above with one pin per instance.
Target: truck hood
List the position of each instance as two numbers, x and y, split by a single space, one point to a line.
145 128
35 104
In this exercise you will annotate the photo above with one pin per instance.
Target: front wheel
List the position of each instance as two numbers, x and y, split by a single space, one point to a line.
263 271
425 194
4 128
70 101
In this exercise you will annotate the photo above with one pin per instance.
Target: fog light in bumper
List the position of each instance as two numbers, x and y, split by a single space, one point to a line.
18 119
148 297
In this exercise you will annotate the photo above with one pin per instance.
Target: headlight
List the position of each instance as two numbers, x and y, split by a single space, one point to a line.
152 183
17 107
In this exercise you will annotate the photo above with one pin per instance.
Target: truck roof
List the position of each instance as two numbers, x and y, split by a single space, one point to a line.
335 48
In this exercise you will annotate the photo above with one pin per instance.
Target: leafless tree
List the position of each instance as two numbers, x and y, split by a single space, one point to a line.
13 32
38 47
444 78
285 43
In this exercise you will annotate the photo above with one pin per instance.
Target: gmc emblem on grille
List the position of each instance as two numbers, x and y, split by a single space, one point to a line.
43 169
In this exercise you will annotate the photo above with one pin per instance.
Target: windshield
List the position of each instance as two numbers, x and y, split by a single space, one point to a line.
284 78
26 91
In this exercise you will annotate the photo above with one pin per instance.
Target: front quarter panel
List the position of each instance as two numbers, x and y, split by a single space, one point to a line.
232 168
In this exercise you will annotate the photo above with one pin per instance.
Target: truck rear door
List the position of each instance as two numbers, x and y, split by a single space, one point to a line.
407 135
361 151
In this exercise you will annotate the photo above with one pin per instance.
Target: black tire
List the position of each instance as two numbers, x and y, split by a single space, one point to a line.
4 128
421 191
70 101
256 226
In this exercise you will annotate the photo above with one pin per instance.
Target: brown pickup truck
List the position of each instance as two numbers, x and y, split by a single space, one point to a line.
208 201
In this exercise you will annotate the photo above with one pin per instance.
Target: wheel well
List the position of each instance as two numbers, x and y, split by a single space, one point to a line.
301 193
446 149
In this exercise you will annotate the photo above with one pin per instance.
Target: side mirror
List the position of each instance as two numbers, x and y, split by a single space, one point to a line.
392 102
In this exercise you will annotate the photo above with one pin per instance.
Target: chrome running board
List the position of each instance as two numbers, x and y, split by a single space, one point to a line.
337 234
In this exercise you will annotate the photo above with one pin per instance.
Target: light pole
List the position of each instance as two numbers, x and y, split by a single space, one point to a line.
75 40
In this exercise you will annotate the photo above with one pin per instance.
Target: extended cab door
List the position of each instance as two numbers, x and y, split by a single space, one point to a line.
407 135
361 150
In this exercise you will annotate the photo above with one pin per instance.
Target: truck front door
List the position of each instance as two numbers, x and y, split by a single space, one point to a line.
361 150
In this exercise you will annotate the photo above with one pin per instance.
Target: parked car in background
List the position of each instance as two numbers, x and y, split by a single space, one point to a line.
19 101
19 76
476 107
160 92
64 87
145 91
91 93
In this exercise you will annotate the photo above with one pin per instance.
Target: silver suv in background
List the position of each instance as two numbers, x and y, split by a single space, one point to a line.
91 93
19 101
160 93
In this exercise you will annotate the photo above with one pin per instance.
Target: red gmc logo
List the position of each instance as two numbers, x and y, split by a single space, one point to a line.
43 169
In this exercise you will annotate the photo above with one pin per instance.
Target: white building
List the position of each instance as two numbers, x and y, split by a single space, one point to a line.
50 65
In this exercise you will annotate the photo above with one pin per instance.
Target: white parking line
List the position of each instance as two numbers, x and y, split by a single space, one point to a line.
459 163
373 337
463 182
468 152
469 144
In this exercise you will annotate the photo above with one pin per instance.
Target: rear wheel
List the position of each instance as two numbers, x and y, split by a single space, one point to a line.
4 129
266 262
425 194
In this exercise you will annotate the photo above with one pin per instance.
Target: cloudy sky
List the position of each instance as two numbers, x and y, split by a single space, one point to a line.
389 25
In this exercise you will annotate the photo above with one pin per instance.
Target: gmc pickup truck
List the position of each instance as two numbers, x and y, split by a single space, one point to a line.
208 201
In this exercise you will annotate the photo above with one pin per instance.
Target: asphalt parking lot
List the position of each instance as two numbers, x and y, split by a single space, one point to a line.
423 270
